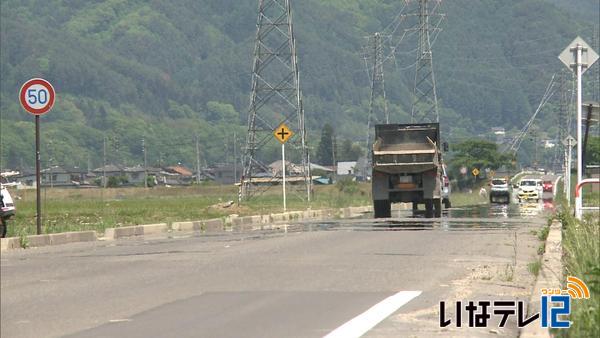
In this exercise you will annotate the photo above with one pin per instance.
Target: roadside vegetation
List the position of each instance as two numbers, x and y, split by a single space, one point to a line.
581 245
98 209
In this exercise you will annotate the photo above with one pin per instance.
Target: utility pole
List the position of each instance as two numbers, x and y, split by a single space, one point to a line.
425 105
145 164
275 85
560 159
596 76
197 160
104 162
333 148
235 157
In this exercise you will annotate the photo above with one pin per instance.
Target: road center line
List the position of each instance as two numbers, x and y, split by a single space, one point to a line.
362 323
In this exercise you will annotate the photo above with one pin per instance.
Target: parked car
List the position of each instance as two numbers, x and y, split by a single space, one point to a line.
499 191
7 210
530 189
548 186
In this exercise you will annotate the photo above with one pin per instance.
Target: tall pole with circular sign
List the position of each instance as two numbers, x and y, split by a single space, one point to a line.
37 97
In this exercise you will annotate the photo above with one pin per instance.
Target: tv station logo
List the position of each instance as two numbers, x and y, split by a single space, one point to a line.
555 307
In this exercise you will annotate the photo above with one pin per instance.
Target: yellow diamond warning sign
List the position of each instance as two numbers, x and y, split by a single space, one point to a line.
282 133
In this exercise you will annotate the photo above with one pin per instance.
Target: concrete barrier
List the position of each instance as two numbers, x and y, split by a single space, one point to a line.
550 276
72 237
295 215
136 230
38 240
48 239
186 226
213 225
280 217
216 225
9 243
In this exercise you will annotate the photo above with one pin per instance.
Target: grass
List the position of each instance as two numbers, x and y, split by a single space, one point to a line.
534 267
509 273
98 209
581 246
461 199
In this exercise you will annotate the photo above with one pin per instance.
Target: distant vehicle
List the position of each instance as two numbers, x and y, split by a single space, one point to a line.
548 186
446 188
408 167
7 210
530 189
500 191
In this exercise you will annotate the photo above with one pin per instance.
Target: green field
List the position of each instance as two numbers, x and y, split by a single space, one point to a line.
98 209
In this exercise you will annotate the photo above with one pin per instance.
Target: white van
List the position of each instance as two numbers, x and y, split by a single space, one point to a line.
7 209
530 189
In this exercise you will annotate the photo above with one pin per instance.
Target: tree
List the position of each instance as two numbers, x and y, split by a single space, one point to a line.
325 151
592 151
350 151
478 154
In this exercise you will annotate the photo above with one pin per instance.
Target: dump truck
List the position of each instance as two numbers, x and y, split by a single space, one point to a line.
408 167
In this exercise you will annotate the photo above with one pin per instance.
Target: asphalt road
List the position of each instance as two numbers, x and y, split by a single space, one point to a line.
297 284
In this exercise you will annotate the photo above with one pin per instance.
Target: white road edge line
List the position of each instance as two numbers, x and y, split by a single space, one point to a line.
362 323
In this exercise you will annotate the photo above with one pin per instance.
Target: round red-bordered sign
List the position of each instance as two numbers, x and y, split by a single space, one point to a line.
37 96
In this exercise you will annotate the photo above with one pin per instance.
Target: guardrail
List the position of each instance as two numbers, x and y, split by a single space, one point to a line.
579 211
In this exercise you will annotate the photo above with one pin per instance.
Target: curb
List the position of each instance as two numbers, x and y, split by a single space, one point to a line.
231 223
48 239
550 276
135 230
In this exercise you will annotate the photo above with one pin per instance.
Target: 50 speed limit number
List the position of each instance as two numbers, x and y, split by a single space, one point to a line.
37 96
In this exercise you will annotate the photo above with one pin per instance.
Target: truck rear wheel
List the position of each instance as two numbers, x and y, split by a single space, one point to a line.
3 227
429 208
382 208
437 205
447 203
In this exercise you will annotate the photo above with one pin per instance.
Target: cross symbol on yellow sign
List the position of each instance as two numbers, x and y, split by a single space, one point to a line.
282 133
475 172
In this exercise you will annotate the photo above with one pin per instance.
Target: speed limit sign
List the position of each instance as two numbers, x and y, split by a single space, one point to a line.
37 96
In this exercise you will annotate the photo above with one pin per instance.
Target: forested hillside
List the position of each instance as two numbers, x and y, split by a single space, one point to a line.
170 71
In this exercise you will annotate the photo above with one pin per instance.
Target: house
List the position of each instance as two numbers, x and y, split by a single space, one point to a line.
109 170
78 175
224 173
26 178
176 175
291 169
55 177
346 168
9 177
135 175
317 167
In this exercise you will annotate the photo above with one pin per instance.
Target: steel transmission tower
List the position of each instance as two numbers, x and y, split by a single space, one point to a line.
377 79
276 96
374 61
425 106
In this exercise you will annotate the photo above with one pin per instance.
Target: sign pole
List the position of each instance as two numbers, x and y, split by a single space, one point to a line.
568 171
578 200
37 97
38 203
579 57
283 172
